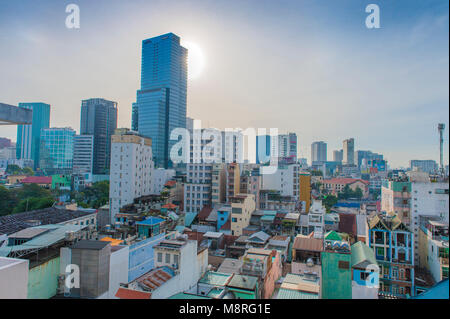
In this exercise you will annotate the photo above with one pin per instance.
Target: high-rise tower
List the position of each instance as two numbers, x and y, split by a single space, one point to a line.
161 102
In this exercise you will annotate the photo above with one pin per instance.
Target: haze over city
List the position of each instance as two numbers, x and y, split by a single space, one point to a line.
307 67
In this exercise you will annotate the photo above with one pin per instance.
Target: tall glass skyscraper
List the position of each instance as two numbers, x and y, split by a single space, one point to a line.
28 136
161 102
56 150
99 118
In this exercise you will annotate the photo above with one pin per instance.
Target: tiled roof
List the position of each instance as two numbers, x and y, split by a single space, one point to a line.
344 181
308 243
37 180
170 183
124 293
155 278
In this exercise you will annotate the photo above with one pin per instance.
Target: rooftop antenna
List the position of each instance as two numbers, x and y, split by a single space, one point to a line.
441 127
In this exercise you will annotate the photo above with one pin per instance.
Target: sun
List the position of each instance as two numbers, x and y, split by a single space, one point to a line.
196 59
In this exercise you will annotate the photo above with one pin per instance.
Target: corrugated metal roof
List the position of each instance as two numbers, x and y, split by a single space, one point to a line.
295 294
56 233
189 218
362 255
308 244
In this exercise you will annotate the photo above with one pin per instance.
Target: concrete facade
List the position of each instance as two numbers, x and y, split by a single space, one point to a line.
13 278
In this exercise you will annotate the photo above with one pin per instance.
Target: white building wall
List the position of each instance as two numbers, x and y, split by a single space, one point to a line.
118 270
188 275
426 201
285 179
130 174
13 278
363 292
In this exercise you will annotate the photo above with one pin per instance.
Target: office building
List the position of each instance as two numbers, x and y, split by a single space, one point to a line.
318 152
29 136
161 100
83 154
349 152
287 146
99 118
338 156
56 151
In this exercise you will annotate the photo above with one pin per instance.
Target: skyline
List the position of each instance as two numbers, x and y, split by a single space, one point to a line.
312 63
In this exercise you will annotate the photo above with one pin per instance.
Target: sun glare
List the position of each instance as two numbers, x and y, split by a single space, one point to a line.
196 60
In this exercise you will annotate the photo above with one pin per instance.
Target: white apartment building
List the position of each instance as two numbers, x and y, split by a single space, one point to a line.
427 199
316 218
131 168
198 187
285 179
83 154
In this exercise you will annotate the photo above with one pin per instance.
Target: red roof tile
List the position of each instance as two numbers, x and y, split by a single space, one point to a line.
344 181
37 180
170 183
170 206
124 293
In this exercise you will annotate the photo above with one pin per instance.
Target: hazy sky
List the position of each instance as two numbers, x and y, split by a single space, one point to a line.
311 67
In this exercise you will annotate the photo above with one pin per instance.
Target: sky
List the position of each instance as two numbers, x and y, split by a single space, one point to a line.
309 67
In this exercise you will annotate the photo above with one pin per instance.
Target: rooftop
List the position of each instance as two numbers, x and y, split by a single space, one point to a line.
125 293
230 266
150 221
215 278
90 244
37 180
243 282
308 243
10 224
362 255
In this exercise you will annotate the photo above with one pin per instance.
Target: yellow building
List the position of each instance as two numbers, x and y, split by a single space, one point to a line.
305 189
233 180
242 207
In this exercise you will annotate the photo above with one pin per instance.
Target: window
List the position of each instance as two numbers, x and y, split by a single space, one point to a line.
159 257
343 264
167 258
364 276
175 259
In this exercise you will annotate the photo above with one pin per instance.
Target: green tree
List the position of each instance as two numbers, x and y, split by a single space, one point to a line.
329 201
13 169
33 190
95 196
33 203
358 193
7 201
